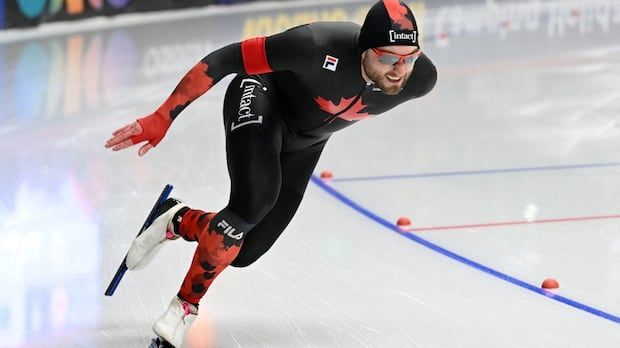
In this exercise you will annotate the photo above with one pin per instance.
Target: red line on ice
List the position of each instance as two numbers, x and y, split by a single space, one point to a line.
544 221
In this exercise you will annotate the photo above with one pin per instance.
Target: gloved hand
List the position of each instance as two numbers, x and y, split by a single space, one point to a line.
151 128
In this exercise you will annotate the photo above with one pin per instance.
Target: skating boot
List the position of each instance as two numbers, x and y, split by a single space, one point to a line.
172 325
147 244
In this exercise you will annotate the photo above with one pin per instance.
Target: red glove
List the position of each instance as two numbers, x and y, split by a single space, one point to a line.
151 128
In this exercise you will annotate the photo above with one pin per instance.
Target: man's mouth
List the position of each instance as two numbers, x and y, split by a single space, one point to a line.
394 78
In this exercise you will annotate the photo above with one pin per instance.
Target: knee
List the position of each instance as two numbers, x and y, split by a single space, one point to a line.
244 261
249 254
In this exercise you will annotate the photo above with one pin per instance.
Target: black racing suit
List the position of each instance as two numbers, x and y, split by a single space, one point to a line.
292 91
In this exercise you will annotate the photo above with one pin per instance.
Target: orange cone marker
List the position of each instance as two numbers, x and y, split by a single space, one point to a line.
550 283
326 175
403 221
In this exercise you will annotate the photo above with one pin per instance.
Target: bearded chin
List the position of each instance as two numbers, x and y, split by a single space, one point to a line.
391 89
387 87
382 82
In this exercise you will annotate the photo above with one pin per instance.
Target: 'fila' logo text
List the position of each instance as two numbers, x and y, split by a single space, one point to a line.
330 63
229 230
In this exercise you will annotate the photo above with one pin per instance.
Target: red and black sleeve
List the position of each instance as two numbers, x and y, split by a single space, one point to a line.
288 50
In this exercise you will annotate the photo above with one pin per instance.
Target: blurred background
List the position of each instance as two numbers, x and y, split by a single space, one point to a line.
522 84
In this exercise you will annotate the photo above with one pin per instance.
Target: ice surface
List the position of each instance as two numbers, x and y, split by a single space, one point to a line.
530 85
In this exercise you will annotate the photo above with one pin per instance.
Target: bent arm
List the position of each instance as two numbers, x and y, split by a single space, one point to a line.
289 50
199 80
284 51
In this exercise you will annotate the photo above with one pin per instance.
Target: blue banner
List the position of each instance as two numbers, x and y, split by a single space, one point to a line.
2 6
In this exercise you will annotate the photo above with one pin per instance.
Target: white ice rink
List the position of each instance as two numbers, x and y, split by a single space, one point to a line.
509 171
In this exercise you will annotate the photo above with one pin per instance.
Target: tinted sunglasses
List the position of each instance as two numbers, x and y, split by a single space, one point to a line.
390 58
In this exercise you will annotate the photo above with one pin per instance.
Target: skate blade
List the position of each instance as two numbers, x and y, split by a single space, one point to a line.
120 272
159 342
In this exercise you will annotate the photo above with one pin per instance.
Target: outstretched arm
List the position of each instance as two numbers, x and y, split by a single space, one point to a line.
195 83
250 57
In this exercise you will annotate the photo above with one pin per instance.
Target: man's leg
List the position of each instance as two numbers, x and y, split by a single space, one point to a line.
253 144
297 167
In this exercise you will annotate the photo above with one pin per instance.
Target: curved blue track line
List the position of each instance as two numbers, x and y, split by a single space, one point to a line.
480 172
460 258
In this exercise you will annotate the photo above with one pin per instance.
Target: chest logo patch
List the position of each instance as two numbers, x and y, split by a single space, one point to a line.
330 63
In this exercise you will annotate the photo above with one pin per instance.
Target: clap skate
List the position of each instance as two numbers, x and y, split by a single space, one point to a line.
148 243
155 230
160 343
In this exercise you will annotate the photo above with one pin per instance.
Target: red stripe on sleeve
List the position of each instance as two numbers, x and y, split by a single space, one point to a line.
255 56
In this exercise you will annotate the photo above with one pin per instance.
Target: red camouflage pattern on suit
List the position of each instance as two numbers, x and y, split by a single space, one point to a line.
211 257
194 84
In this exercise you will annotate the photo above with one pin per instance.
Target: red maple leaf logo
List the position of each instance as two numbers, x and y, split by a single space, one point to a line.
352 114
398 14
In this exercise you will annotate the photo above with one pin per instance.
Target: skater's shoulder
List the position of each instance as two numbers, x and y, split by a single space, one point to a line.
333 31
334 35
334 28
324 31
423 78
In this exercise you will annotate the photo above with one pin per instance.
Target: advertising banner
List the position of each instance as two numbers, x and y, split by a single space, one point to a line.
26 13
140 61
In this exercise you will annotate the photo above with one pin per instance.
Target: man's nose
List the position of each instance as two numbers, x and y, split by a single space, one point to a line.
400 68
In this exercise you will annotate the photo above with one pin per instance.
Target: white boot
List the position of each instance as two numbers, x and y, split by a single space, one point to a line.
173 324
147 244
